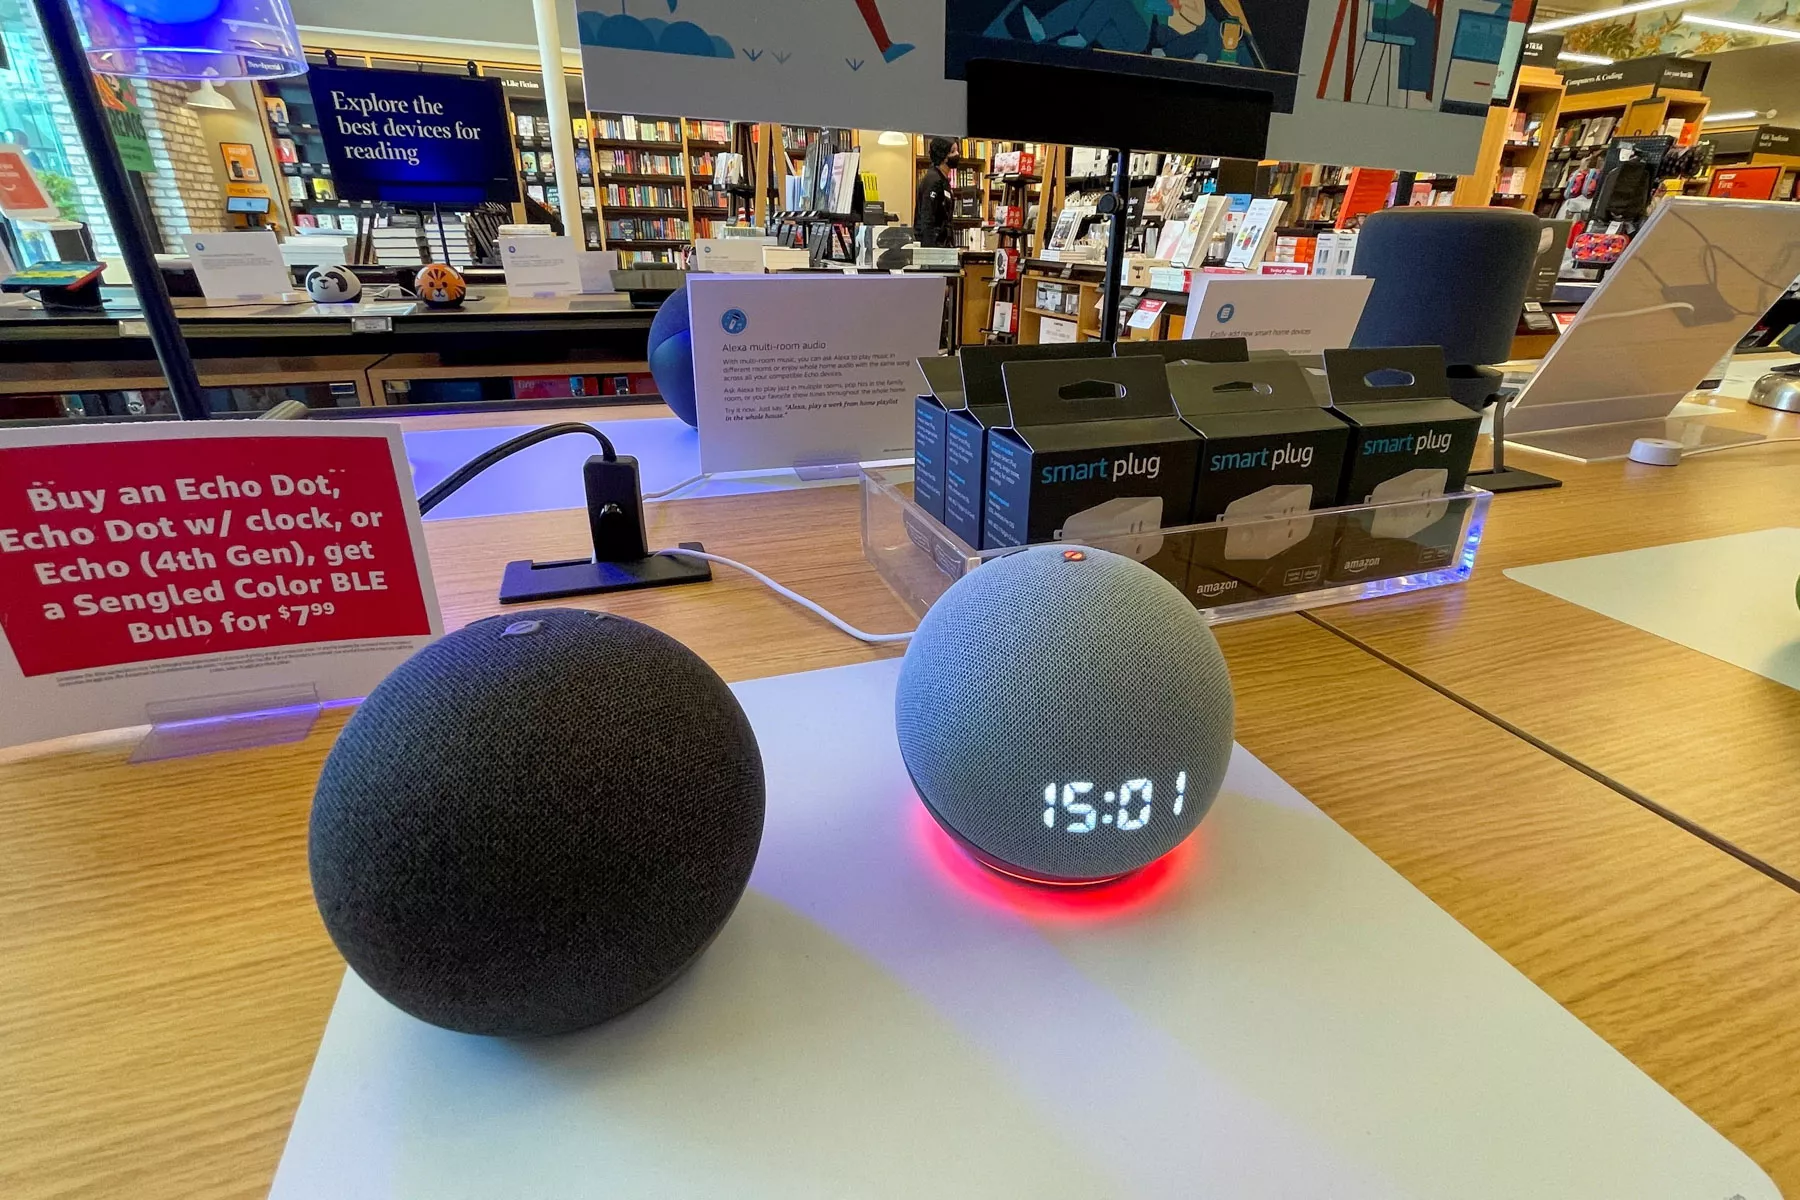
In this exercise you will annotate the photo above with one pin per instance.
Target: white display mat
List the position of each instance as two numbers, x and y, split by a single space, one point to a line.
1728 597
1275 1013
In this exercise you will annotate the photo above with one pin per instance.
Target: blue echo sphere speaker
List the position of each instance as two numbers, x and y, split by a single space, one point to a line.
672 355
1065 714
536 822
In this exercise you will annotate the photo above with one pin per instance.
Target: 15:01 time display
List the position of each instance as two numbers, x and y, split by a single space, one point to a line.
1134 804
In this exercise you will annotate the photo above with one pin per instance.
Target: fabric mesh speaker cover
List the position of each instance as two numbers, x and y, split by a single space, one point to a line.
1450 277
1041 671
536 822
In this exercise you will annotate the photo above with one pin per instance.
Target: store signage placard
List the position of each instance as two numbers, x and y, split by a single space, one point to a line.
22 196
1302 315
1541 49
408 137
804 370
541 267
238 268
1661 70
144 565
1776 139
889 64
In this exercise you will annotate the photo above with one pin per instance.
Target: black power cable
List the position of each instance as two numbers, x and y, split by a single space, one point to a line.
481 462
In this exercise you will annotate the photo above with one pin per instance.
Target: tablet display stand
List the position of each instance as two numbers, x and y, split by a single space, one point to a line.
1689 287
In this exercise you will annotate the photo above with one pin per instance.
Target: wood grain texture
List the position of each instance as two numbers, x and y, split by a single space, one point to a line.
1684 959
1715 743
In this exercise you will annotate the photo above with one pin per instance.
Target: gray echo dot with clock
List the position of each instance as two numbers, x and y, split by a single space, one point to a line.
1065 714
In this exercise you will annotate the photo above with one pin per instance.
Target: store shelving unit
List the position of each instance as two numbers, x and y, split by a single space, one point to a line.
1516 139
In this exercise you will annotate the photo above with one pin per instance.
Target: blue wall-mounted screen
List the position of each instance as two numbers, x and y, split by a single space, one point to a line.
410 138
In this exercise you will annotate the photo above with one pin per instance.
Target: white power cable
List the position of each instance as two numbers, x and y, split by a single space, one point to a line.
673 488
842 625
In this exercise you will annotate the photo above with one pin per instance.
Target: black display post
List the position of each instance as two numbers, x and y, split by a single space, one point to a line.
1115 246
127 219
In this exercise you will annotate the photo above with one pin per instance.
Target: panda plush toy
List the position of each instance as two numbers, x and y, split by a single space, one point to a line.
332 285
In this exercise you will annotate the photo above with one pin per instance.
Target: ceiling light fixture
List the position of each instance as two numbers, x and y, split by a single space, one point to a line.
208 96
1747 114
1603 14
1773 31
893 137
1590 60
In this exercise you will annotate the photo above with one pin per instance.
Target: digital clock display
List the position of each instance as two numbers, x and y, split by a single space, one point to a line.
1079 807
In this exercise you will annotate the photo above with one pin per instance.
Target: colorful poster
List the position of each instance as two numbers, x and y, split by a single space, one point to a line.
22 197
119 98
1388 83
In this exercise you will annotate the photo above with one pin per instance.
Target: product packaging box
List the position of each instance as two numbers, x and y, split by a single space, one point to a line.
1408 440
1094 453
1174 350
943 394
1270 446
984 407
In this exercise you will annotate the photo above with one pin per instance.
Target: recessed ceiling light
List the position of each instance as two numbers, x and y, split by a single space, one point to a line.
1774 31
1592 60
1603 14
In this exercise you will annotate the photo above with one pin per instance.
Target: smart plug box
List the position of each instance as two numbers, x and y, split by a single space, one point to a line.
1408 441
965 428
1094 453
1269 447
943 394
1174 350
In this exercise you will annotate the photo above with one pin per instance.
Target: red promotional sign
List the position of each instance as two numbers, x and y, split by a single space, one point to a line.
122 552
21 195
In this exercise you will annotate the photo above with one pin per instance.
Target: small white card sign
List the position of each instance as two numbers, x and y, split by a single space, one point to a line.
730 256
807 370
239 268
159 565
538 268
1299 314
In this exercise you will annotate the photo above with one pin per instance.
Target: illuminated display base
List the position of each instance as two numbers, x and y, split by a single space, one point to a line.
1022 874
1243 566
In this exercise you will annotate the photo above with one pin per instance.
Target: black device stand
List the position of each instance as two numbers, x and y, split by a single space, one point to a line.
1500 477
622 560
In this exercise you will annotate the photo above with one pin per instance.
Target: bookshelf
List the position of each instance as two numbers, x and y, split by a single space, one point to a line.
1516 145
1586 124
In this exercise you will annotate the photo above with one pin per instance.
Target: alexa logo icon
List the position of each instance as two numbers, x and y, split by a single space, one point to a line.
200 245
734 321
1226 312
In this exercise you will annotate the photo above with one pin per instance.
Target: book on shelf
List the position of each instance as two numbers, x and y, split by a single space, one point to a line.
286 151
584 161
525 126
638 162
322 190
296 188
845 168
639 129
276 108
644 195
709 131
579 126
585 196
535 191
1250 241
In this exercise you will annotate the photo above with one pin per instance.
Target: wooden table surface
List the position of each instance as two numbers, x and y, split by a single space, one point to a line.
164 978
1714 744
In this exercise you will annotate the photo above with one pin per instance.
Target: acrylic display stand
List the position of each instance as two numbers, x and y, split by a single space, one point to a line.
230 721
920 558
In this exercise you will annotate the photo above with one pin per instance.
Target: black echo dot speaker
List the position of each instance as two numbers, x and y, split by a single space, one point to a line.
1065 714
536 822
